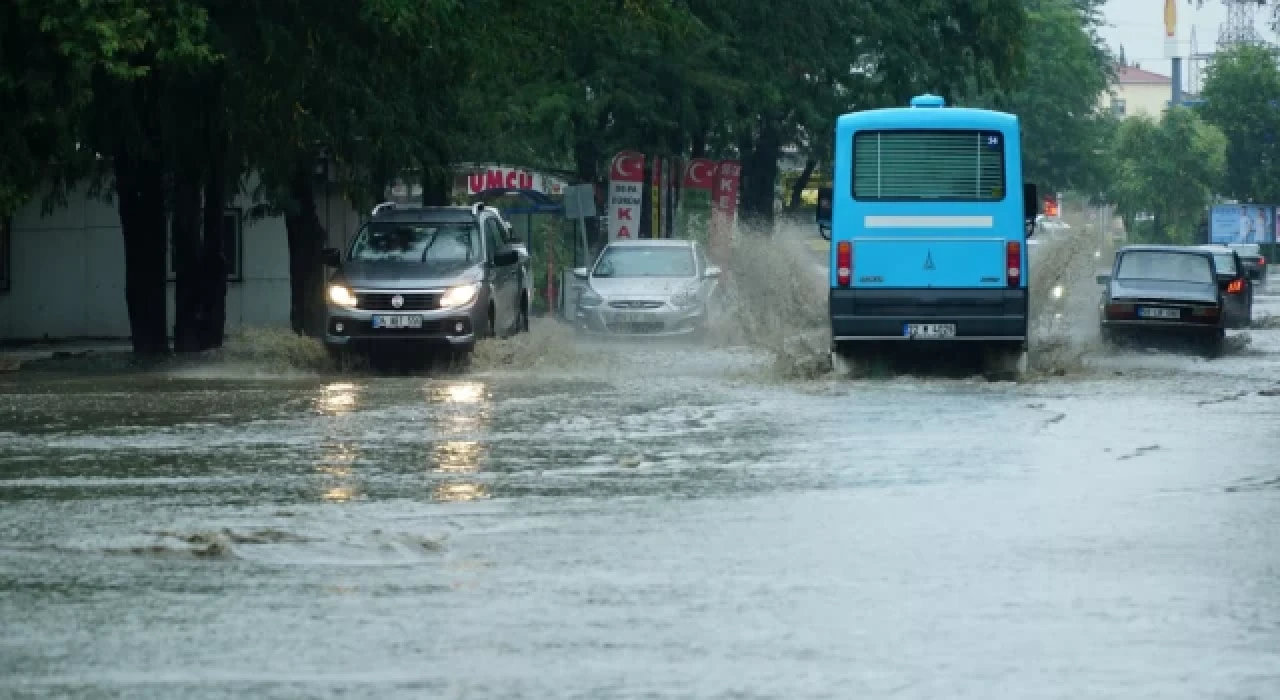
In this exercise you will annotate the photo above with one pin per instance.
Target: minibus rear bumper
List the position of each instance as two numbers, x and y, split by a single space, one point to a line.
928 314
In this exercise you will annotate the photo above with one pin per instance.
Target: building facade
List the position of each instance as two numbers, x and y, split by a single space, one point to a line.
65 270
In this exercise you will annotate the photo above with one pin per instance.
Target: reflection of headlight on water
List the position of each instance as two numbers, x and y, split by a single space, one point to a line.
338 398
457 456
1056 292
460 492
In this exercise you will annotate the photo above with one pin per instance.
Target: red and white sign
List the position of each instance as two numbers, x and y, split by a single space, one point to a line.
699 174
626 195
724 203
502 178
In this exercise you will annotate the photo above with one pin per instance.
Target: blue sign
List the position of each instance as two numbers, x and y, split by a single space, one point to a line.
1242 223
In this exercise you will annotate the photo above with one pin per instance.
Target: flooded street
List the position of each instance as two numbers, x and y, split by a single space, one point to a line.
665 522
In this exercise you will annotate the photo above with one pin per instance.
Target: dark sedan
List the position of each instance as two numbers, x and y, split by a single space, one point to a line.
1255 263
1236 286
1166 290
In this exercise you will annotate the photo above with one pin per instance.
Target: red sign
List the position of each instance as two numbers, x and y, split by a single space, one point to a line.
499 178
724 206
626 190
1050 206
700 174
725 196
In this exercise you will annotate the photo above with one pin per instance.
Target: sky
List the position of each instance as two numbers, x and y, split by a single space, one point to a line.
1139 26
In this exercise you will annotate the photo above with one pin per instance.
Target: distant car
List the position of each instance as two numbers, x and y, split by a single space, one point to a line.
1254 261
1164 290
1236 286
657 287
437 276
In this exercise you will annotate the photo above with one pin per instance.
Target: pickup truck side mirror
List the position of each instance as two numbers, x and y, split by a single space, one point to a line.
331 257
581 272
506 258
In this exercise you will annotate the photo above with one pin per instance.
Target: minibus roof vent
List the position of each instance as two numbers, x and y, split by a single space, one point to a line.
928 101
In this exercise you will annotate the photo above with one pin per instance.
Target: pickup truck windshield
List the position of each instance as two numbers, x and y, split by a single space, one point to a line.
417 241
1165 266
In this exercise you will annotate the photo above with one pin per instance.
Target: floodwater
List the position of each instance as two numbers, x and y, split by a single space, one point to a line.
649 521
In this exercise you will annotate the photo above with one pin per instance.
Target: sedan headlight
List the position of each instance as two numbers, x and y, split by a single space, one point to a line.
685 299
460 295
342 296
589 299
1056 292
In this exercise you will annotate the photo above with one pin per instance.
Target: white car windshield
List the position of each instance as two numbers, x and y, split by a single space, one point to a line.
417 241
1165 266
665 261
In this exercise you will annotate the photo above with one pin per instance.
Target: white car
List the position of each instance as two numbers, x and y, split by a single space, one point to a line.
658 287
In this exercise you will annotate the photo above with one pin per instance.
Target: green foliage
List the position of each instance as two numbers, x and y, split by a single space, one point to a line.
1240 96
1169 169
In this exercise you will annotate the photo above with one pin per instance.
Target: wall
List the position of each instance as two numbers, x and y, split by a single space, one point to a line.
1148 99
68 270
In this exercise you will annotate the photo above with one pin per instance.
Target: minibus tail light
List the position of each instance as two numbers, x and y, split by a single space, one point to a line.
1013 263
844 263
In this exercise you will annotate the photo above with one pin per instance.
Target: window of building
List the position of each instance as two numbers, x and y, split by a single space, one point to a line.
232 245
1118 107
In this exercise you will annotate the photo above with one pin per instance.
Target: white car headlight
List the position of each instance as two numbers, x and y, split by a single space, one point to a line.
685 299
460 295
1056 292
342 296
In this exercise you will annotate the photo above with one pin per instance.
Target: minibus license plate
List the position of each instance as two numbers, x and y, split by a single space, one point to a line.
929 330
413 321
1148 312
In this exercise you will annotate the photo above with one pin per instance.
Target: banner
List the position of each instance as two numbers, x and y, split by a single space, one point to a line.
724 208
626 195
696 185
1242 223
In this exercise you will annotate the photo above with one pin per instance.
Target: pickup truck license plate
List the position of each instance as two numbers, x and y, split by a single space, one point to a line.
398 321
1148 312
929 330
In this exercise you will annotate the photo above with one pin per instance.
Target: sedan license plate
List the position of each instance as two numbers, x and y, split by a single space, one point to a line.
632 318
929 330
1149 312
398 321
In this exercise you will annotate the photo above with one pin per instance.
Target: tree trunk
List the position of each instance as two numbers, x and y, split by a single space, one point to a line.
214 263
140 201
759 177
797 191
188 304
437 186
306 242
699 149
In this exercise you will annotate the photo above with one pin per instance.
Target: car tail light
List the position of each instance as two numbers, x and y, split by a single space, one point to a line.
1262 260
844 263
1235 287
1119 310
1013 262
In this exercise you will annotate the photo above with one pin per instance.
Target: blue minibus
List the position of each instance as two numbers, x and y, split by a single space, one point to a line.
928 225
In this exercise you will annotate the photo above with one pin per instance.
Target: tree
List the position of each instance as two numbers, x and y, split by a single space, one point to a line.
1169 169
1242 98
1067 68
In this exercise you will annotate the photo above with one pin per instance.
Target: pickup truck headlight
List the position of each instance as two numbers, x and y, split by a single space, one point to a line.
460 295
342 296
